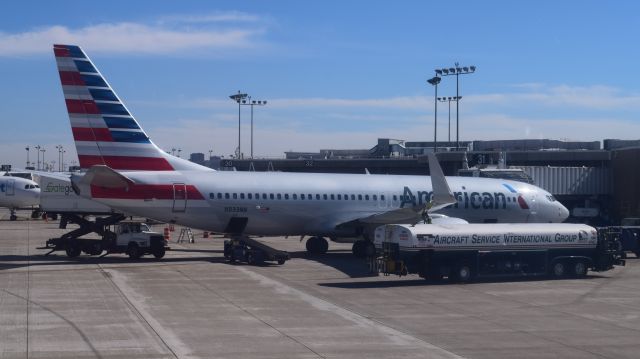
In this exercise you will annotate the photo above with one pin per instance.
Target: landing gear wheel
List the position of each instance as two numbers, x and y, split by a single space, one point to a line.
281 261
134 251
558 270
358 249
369 249
580 269
317 245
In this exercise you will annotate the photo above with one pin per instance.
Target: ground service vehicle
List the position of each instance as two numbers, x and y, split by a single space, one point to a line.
252 251
464 252
130 237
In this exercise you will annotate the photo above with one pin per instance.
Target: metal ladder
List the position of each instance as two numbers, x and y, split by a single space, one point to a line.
186 234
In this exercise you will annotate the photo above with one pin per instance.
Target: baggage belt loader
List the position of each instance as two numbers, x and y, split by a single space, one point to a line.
463 252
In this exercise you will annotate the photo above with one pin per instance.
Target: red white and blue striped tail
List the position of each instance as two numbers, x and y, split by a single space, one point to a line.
104 131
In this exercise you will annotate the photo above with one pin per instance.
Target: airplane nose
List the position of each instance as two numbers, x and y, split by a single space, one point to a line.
563 212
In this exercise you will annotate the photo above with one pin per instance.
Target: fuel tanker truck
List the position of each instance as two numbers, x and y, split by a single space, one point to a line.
463 252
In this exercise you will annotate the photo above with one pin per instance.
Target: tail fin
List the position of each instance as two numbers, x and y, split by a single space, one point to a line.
104 131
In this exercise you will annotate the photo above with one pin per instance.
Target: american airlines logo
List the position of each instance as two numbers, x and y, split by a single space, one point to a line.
473 200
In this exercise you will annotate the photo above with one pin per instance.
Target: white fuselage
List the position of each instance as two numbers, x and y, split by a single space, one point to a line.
276 203
17 193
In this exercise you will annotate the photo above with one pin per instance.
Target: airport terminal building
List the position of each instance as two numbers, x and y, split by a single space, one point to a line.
597 181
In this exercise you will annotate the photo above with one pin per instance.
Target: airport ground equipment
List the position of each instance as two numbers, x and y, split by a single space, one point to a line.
467 251
629 237
116 236
244 248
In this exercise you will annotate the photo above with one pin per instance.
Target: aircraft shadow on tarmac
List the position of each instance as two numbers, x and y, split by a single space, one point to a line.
19 261
417 281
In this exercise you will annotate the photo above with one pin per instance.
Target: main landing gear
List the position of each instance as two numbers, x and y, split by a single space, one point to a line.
317 245
363 249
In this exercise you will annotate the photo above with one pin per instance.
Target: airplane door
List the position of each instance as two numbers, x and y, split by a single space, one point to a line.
179 197
10 189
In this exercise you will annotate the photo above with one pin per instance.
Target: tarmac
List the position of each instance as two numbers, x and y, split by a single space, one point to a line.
193 304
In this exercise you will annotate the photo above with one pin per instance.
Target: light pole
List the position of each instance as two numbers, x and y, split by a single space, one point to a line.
435 81
210 152
449 99
43 162
27 148
38 153
60 158
457 71
238 98
252 103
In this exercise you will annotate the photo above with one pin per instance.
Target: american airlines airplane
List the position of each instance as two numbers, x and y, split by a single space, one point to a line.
128 172
18 193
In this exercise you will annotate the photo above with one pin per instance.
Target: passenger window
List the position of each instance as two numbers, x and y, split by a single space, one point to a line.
257 195
226 196
295 196
271 195
302 196
339 196
211 196
264 196
279 196
286 196
317 196
235 196
241 195
375 197
366 197
219 195
395 198
353 197
359 197
309 196
249 195
333 197
324 196
382 197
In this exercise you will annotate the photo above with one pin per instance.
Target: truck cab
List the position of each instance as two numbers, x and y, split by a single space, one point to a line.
137 239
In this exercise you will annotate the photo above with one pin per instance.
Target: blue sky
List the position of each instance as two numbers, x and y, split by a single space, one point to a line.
336 74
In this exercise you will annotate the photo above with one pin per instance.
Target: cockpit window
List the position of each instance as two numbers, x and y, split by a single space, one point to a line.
551 198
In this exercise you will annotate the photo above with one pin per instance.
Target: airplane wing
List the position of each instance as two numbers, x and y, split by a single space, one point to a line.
442 197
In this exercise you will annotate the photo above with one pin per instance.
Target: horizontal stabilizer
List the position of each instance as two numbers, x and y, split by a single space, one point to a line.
99 176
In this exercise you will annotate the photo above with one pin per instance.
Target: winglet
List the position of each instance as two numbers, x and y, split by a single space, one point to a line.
442 195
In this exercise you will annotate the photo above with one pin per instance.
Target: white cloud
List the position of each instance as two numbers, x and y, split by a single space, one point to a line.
127 37
216 17
587 97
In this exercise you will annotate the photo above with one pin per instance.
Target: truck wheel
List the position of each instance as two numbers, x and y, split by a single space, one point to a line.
251 258
134 251
281 261
159 252
558 270
463 273
580 269
73 250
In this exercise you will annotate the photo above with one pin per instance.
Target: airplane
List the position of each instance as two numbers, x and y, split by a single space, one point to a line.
126 171
19 193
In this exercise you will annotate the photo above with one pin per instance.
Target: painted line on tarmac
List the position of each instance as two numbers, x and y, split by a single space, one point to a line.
398 337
